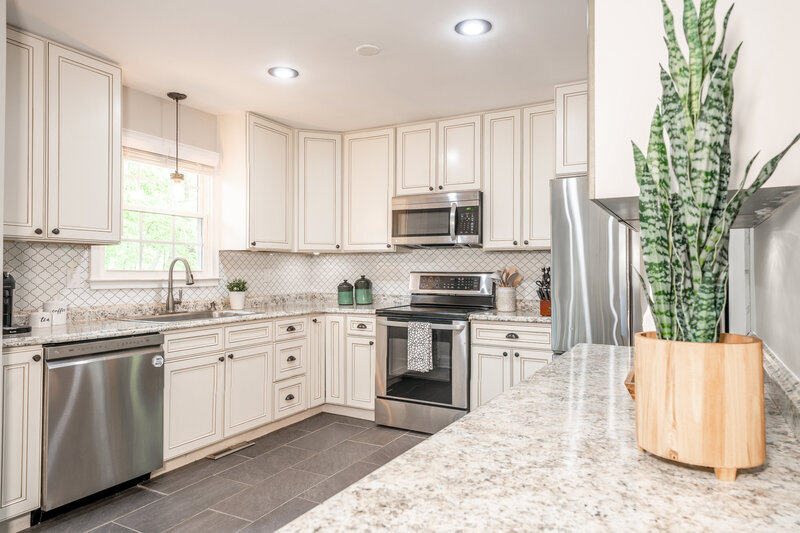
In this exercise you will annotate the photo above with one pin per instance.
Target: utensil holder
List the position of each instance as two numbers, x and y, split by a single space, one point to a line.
506 299
544 307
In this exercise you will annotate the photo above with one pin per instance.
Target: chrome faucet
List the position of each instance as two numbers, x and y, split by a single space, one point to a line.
171 302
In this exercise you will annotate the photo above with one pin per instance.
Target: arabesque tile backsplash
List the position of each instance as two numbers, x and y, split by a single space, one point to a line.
40 271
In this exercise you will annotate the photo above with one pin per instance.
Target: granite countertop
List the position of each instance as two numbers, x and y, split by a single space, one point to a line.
558 453
520 315
99 329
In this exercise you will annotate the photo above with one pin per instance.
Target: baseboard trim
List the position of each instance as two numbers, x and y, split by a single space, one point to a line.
353 412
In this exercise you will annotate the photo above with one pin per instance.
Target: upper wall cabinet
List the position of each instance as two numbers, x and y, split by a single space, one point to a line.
572 107
416 159
368 185
256 171
502 195
80 183
460 154
319 191
538 169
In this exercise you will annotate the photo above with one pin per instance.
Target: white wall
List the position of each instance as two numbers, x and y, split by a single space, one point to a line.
627 49
777 283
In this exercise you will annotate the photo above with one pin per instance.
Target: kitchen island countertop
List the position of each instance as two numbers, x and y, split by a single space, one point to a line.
558 453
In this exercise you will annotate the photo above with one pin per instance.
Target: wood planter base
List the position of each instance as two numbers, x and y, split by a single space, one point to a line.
701 403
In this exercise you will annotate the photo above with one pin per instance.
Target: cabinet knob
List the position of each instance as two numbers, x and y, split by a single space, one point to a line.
388 245
38 231
371 343
291 358
516 354
430 188
515 243
37 357
440 187
314 320
290 397
221 359
337 246
525 242
290 328
505 354
253 243
230 356
56 231
362 326
512 336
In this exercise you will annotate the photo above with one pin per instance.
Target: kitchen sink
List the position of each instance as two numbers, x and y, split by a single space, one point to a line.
188 315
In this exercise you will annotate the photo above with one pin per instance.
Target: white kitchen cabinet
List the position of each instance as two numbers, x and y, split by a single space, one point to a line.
248 388
24 192
502 203
22 429
319 186
316 361
459 160
416 159
538 169
360 372
254 188
289 396
193 403
335 359
84 148
290 358
572 131
525 363
368 185
491 374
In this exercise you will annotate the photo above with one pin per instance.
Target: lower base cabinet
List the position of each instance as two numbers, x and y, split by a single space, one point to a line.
193 407
316 361
289 396
248 384
335 370
360 372
349 365
495 370
21 432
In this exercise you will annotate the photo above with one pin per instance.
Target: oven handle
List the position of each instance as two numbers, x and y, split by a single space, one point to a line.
433 326
453 221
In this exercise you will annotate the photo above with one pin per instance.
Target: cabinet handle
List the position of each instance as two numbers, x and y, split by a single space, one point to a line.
337 246
505 354
440 187
290 328
512 336
37 357
314 320
230 356
371 343
290 397
388 245
362 326
525 242
38 231
291 358
221 359
516 354
515 243
253 243
56 231
430 188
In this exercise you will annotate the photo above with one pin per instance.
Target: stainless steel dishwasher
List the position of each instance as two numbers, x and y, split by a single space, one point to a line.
103 415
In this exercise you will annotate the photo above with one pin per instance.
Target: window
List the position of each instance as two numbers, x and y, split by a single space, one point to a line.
161 220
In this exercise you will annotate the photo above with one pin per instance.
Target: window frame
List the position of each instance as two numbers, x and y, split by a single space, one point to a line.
100 278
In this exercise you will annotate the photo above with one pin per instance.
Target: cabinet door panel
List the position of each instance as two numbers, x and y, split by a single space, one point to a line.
538 168
335 370
84 148
21 433
193 403
501 159
361 372
460 154
290 358
368 184
248 388
491 374
269 159
289 396
416 159
572 104
320 191
527 362
24 187
316 359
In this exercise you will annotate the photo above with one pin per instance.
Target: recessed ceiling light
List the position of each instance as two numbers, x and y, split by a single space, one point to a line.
283 72
368 50
473 27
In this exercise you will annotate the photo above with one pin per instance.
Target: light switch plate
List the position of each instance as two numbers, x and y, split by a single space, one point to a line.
73 279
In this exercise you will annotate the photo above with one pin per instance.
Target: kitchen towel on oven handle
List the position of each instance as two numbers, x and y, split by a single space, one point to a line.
420 346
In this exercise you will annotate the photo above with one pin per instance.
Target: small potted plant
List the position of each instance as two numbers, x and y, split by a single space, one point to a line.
237 289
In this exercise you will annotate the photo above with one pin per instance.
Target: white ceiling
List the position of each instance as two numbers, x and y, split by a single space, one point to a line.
218 52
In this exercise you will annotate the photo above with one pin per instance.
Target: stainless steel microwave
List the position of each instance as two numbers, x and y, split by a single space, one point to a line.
441 219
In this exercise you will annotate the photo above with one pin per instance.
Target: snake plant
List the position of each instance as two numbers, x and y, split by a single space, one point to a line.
685 208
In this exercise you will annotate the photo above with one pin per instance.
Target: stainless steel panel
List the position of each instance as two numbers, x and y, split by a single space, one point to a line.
414 416
590 270
443 240
103 422
436 200
75 349
486 284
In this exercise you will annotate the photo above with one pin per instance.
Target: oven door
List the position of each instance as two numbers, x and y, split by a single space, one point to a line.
446 385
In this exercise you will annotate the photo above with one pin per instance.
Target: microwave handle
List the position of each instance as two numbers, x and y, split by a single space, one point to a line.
433 326
453 221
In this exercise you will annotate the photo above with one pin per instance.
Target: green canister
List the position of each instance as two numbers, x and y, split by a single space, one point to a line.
363 291
345 291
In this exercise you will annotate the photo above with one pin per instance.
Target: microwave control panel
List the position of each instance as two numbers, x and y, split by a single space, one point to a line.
467 220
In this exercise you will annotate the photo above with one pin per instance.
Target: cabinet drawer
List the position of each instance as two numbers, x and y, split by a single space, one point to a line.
289 396
291 328
192 343
510 334
361 325
291 359
247 334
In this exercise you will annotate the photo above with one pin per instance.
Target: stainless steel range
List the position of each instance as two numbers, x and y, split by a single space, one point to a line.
429 401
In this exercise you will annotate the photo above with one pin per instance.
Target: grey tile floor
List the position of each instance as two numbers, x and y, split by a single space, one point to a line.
258 489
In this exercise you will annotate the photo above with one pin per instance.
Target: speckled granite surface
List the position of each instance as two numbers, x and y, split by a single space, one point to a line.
558 453
520 315
783 387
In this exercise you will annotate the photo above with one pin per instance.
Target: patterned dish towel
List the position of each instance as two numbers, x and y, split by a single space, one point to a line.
420 347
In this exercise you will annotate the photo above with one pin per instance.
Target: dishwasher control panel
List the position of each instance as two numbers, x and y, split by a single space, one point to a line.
101 346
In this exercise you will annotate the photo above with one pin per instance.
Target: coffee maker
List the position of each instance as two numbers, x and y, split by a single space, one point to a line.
9 284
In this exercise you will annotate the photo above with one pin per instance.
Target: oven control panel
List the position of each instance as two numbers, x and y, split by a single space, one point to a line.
450 283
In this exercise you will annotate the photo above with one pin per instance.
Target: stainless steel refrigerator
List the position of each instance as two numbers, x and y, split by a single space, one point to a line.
595 289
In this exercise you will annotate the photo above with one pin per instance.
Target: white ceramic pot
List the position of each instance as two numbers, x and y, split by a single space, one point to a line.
506 299
237 299
40 320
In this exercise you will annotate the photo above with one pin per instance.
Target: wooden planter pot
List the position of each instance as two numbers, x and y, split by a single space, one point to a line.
701 403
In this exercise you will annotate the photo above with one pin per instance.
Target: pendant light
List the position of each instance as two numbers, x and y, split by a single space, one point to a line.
176 176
